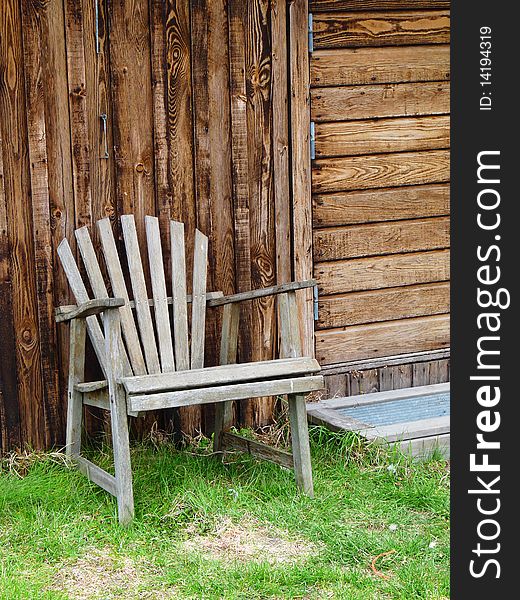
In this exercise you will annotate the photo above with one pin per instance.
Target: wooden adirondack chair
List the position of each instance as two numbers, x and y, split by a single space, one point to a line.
141 375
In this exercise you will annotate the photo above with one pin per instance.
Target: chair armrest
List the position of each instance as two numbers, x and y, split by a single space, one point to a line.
87 309
261 293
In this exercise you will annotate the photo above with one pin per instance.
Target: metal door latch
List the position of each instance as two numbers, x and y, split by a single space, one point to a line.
103 117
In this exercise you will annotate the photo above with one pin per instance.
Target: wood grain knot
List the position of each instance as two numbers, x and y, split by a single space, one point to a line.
80 91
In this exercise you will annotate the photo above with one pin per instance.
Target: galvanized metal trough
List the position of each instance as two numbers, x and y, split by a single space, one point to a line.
416 418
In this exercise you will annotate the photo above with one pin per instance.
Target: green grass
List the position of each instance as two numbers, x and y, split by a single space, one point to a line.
59 536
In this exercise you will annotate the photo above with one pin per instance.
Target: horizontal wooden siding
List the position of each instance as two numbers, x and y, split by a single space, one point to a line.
380 99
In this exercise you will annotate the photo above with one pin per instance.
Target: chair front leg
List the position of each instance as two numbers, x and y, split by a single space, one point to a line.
119 418
75 398
300 443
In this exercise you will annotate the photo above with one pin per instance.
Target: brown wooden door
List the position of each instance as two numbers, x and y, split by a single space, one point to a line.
379 76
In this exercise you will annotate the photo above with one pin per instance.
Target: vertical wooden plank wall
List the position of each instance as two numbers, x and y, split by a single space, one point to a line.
379 77
261 199
196 99
300 164
35 37
60 176
213 176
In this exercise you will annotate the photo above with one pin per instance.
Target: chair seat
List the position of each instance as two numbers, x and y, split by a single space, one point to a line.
223 393
223 383
211 376
221 375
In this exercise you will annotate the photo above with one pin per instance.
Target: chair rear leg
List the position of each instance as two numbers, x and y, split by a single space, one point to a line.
228 355
223 422
75 398
300 443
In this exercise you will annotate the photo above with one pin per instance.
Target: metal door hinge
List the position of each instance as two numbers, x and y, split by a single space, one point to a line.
315 301
313 140
310 34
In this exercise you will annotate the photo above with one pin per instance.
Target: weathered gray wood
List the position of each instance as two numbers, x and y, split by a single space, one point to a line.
160 297
118 413
97 398
179 296
97 283
223 393
222 374
290 339
337 385
80 294
142 308
285 326
229 338
300 443
97 475
333 419
198 307
88 254
228 355
424 447
326 413
115 272
378 397
263 292
408 430
296 334
91 386
256 449
66 308
88 308
76 374
170 389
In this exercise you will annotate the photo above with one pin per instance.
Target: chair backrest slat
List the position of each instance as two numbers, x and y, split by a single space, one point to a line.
180 305
88 254
142 308
160 296
81 295
141 355
117 280
198 307
97 283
